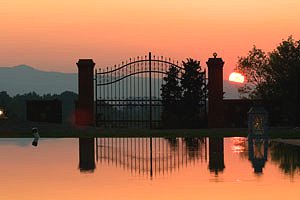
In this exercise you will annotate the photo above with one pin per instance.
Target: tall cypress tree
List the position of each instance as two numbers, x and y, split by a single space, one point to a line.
184 102
171 98
194 94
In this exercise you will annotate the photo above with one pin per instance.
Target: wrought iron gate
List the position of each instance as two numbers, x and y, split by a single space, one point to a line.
129 95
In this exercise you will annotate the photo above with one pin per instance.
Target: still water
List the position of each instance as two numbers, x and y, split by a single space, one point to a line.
149 168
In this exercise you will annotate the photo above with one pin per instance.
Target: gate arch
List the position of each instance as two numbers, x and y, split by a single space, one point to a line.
129 95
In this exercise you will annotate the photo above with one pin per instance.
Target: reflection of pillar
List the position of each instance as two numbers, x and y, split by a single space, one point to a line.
215 92
87 154
85 104
258 153
216 155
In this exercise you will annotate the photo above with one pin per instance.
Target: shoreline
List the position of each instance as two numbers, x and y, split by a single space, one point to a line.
12 129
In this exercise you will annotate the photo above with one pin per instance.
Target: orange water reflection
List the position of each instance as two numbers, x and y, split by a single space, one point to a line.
182 168
238 144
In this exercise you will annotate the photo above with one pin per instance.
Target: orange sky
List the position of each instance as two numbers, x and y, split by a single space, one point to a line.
53 35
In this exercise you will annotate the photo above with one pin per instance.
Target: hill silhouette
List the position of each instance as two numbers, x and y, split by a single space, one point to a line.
24 79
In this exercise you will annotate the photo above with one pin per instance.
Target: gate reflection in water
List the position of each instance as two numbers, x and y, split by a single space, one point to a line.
158 156
150 156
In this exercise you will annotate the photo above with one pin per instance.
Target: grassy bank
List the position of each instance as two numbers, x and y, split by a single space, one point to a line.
284 133
13 129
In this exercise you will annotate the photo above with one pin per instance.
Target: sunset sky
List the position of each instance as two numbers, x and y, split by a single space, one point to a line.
53 35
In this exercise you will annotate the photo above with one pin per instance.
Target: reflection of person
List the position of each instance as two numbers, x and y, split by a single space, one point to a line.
35 142
36 136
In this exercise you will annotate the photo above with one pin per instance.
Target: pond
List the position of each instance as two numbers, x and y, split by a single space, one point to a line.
148 168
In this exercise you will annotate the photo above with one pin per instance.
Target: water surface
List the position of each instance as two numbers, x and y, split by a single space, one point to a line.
148 168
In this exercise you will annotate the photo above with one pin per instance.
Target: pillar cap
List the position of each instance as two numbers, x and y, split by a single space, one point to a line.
85 62
215 60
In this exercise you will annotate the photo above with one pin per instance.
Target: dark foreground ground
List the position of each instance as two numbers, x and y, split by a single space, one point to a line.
23 129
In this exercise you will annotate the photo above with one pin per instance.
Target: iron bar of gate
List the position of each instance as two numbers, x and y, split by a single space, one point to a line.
96 101
123 97
150 92
118 103
119 95
115 107
112 97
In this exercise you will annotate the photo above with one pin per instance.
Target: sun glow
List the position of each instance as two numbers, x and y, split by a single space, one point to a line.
236 77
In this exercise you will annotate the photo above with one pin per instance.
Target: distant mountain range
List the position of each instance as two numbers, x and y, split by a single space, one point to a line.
23 79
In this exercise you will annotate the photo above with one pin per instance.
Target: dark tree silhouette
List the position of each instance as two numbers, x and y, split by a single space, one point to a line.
4 98
194 94
274 76
16 106
171 98
255 69
184 102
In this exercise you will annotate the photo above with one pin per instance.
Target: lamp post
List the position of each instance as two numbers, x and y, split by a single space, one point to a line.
257 122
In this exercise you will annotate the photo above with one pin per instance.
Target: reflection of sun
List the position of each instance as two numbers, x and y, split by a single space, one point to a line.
236 77
238 144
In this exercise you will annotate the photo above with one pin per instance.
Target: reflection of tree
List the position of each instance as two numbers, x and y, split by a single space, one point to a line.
87 154
193 145
287 156
216 155
173 142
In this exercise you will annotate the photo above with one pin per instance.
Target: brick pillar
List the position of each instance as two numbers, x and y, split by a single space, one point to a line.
85 104
215 92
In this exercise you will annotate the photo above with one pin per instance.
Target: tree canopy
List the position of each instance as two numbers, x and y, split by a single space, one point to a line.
184 96
171 97
16 106
194 92
274 76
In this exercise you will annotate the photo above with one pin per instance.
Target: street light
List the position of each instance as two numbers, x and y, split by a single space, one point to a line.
2 114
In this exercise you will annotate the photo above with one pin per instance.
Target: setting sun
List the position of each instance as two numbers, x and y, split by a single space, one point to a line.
236 77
